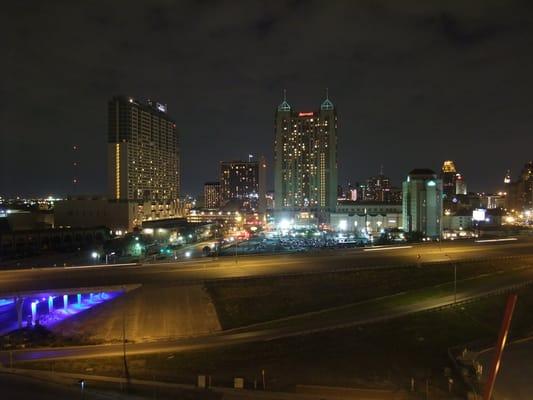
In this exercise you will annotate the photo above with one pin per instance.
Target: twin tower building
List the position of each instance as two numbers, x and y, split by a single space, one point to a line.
305 161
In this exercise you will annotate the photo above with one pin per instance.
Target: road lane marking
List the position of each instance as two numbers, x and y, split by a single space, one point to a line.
388 248
495 240
97 266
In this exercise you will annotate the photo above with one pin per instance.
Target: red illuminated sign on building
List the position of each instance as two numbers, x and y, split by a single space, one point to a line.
306 114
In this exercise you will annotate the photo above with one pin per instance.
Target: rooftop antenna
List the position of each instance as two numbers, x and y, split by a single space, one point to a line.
284 94
381 169
327 93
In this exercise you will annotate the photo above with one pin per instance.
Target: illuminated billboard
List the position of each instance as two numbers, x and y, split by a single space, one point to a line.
479 214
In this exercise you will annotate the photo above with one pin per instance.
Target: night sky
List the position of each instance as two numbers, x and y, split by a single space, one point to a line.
414 83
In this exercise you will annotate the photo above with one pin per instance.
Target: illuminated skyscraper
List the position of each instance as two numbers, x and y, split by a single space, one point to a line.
244 181
143 152
422 203
448 176
507 178
212 194
305 166
520 192
460 185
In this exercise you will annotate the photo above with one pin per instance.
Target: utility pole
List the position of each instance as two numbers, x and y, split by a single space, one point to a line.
454 279
454 283
126 372
82 388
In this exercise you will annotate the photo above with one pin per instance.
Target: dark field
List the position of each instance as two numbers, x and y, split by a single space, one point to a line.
244 302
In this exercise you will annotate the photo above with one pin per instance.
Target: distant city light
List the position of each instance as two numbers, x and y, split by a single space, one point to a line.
479 214
343 224
284 224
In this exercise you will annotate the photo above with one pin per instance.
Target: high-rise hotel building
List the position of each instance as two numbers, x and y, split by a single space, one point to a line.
143 152
212 194
244 182
305 159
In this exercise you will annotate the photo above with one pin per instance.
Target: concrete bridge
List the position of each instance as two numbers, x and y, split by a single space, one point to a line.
70 296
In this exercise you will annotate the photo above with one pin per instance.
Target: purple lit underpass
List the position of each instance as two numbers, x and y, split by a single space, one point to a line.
28 309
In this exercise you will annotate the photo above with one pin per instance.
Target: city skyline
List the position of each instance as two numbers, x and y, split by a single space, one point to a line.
427 83
303 199
348 179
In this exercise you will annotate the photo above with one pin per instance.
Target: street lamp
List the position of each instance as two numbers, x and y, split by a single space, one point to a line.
454 278
94 256
82 387
107 256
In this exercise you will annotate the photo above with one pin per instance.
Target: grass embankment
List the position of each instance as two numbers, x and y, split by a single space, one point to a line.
244 302
379 355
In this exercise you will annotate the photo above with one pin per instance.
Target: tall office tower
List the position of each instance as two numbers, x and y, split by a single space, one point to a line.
526 186
378 188
460 185
422 203
243 182
507 178
262 202
305 154
351 193
143 152
520 192
212 194
448 176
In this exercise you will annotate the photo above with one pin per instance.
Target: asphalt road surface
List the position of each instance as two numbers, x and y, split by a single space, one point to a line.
199 270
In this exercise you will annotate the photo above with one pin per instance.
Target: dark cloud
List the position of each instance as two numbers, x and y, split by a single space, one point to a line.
158 19
463 34
414 82
264 25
